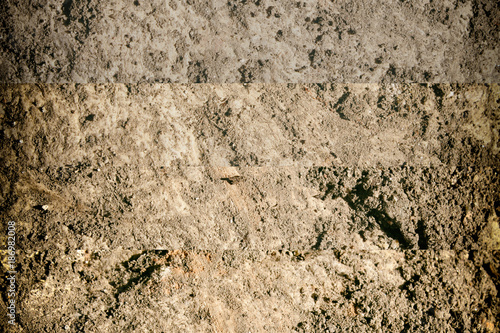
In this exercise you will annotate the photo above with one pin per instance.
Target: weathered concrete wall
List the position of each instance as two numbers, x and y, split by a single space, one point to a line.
250 41
257 207
250 166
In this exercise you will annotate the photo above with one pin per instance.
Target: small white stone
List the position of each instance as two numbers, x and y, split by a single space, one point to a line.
21 141
45 207
165 271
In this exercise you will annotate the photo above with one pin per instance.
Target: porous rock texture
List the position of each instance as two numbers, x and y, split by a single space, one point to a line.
250 165
253 207
214 41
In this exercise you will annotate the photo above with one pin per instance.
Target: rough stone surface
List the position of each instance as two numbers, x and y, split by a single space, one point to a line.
95 289
249 41
259 166
252 207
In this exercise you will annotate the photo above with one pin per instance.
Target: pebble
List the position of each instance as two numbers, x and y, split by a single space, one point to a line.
45 207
